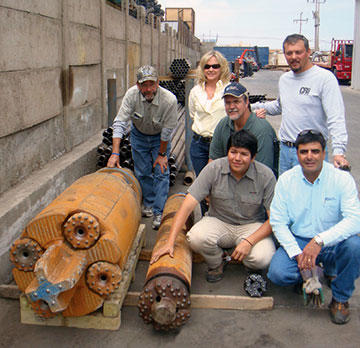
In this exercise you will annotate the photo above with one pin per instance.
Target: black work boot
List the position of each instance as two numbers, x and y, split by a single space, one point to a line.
214 275
339 312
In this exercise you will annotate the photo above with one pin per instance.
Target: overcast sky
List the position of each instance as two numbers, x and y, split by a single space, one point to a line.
267 22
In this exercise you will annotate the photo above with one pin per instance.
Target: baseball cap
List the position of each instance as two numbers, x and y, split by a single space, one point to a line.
235 89
146 73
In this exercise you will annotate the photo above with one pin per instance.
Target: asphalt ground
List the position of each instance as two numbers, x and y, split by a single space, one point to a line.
288 324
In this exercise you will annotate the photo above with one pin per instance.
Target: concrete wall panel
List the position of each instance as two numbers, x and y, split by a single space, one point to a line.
28 98
114 54
84 122
146 52
28 41
85 85
84 45
115 23
133 62
134 32
146 39
32 149
48 8
85 12
155 51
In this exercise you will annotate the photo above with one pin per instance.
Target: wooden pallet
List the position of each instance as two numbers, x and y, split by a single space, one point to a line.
204 301
108 317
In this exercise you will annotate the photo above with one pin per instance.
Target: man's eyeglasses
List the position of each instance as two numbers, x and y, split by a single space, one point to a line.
214 66
309 131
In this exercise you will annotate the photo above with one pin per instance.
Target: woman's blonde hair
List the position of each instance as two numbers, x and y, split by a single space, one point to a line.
224 66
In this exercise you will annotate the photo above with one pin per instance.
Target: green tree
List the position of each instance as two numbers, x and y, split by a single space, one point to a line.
151 6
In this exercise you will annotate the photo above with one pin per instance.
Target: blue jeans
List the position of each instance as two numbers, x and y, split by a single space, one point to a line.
288 158
154 184
199 152
343 257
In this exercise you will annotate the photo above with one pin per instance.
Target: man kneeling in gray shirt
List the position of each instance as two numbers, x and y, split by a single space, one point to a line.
240 191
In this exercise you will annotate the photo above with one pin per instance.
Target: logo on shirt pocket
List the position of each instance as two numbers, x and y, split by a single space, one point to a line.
137 116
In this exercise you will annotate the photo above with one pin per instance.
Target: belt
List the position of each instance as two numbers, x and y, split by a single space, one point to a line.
203 139
288 143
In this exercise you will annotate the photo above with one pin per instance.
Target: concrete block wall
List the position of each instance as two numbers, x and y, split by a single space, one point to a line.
55 59
31 99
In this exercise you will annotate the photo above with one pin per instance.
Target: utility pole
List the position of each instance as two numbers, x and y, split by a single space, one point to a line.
300 21
316 15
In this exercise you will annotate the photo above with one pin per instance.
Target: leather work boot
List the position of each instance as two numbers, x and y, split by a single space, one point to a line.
339 312
213 275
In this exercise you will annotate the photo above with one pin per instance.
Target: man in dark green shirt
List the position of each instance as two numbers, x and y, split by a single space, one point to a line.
239 117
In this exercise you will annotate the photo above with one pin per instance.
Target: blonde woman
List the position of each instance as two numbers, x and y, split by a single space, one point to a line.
206 106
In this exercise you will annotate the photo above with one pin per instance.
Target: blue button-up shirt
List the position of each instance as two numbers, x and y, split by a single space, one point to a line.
329 207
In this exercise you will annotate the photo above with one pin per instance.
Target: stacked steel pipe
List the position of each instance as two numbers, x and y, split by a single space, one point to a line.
179 68
165 299
177 154
177 87
105 149
70 257
256 98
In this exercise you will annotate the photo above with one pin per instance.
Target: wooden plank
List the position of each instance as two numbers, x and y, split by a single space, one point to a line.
10 291
217 301
112 306
91 321
231 302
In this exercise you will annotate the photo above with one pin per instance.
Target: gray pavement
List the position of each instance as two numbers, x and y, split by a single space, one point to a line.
289 324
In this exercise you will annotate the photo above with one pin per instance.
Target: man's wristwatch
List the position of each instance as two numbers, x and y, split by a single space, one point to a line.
162 154
318 240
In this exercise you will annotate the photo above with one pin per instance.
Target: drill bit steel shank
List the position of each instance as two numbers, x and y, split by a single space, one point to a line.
165 299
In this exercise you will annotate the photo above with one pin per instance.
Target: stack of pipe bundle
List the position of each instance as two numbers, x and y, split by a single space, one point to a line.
105 149
179 68
176 87
170 85
256 98
177 153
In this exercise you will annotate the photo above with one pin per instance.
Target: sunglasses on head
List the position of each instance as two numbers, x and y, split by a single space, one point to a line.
309 131
214 66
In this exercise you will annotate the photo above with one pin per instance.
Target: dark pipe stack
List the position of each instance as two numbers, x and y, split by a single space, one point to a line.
256 98
179 68
177 154
105 149
177 87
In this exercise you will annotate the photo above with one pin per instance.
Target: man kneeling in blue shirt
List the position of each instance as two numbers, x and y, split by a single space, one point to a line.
315 215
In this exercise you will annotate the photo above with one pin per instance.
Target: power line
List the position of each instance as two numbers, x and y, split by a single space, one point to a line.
316 15
300 20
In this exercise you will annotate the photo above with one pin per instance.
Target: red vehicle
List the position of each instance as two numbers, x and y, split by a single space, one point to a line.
339 60
244 65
